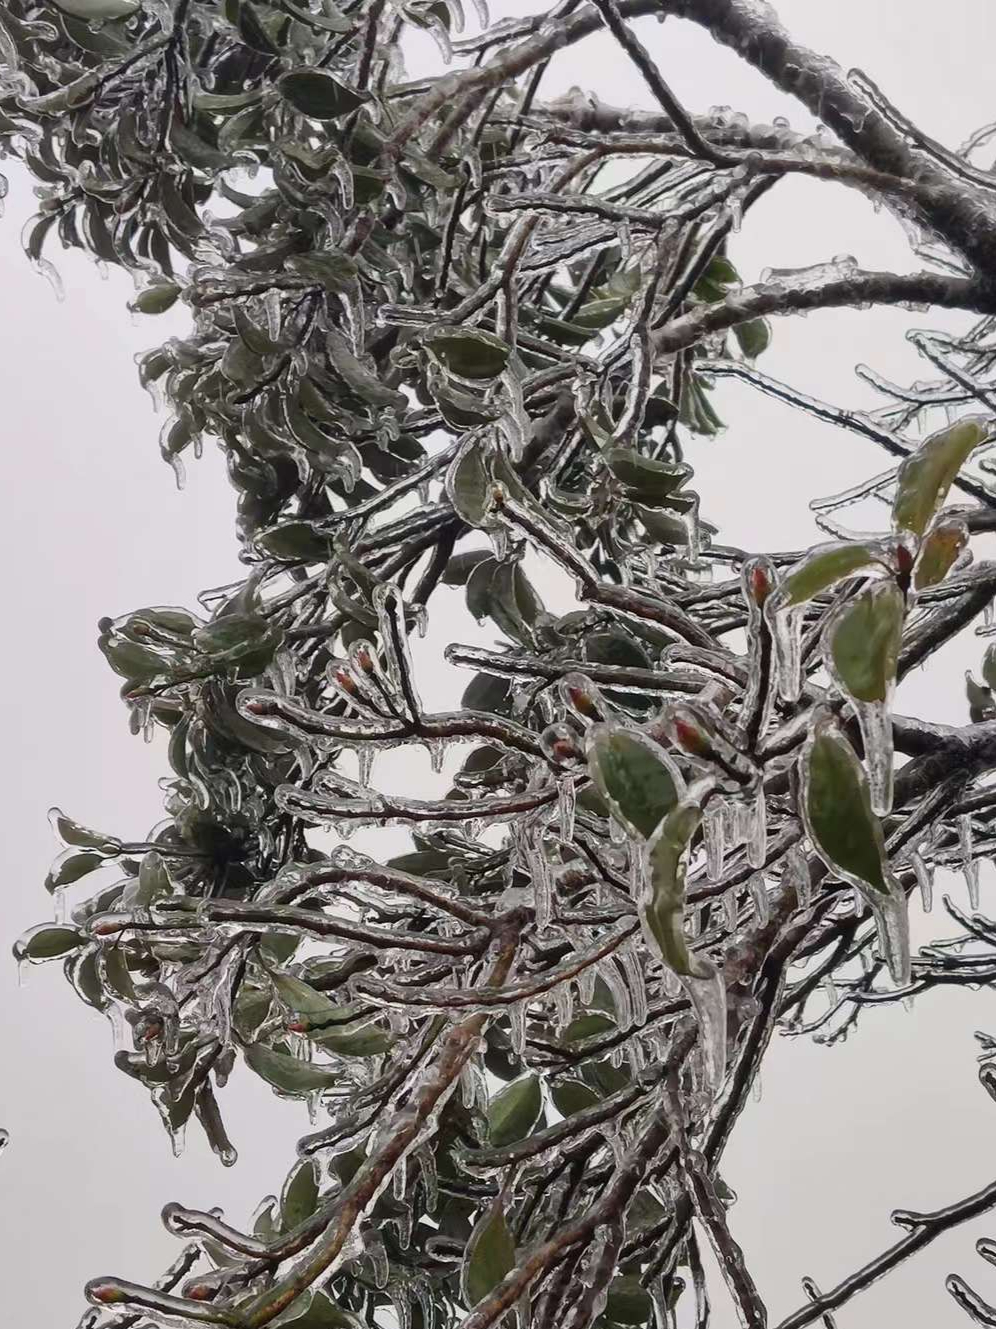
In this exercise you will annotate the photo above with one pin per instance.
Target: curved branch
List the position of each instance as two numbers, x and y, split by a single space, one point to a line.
837 291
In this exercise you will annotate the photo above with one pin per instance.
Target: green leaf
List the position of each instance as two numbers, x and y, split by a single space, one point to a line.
69 867
587 1026
634 776
571 1096
301 998
628 1302
864 639
459 568
754 337
300 1196
822 568
286 1074
318 95
46 942
514 1111
333 270
615 647
926 476
72 833
664 907
649 479
837 810
489 1257
940 548
469 352
295 542
156 299
468 484
359 375
98 9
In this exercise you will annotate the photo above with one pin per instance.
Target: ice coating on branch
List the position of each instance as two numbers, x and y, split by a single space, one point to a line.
713 833
924 874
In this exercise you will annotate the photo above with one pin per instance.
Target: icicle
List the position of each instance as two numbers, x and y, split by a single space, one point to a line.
786 633
379 1262
757 833
708 997
365 760
969 864
429 1178
613 980
713 832
875 722
797 870
830 988
755 1088
759 895
925 880
730 911
857 902
421 620
566 804
399 1178
632 966
437 755
563 1003
586 985
517 1022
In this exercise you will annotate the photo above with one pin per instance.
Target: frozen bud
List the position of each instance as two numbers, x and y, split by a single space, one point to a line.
342 677
362 657
258 706
560 745
688 734
105 1292
758 580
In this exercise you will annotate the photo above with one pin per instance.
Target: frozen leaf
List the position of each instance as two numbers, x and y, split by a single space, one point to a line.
468 484
847 835
70 832
70 866
754 337
648 479
863 642
156 299
927 474
318 95
286 1073
571 1096
634 775
46 942
490 1255
300 1197
822 568
469 352
941 547
98 9
628 1302
514 1112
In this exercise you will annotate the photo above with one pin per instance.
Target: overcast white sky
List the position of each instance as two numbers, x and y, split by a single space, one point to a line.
93 525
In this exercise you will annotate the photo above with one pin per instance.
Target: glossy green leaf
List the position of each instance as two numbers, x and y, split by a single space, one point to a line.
98 10
156 299
295 542
571 1096
927 474
634 776
489 1257
628 1302
649 479
587 1026
48 942
468 484
72 833
513 1113
318 95
469 352
69 867
287 1073
837 810
823 567
360 374
300 1195
940 548
664 905
754 337
863 642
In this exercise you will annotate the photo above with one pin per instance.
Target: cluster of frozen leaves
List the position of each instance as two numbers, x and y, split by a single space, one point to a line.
424 336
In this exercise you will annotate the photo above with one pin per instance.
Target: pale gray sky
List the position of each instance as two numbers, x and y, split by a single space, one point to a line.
95 526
